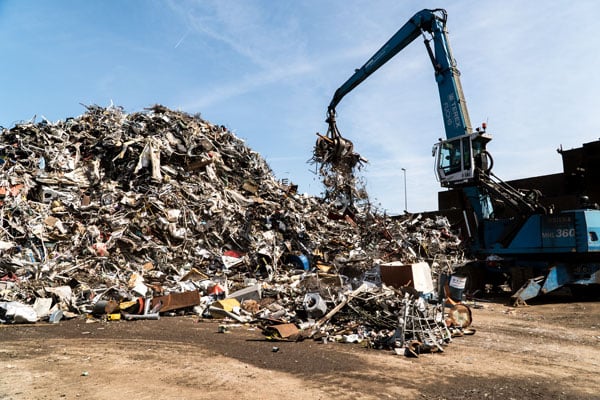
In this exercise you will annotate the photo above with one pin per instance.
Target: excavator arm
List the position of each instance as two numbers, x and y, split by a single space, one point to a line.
424 23
461 158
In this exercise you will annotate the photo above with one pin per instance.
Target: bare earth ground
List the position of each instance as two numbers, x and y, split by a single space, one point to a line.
545 351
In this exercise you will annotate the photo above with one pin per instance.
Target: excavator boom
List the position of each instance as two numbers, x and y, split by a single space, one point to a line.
462 152
425 22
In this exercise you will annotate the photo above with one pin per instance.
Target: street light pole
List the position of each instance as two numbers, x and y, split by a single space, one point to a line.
405 196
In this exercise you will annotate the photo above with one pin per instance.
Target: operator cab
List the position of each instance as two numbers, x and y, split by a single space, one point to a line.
458 159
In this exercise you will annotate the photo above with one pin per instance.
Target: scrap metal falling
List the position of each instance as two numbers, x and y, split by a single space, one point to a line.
337 164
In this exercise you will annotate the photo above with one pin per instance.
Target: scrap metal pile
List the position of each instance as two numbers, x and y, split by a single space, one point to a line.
152 213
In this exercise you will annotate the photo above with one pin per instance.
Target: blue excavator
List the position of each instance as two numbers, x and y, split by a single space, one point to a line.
539 249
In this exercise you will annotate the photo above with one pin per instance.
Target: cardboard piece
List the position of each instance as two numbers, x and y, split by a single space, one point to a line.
416 275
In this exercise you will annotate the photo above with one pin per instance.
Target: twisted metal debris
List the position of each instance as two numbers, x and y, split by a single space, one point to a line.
120 208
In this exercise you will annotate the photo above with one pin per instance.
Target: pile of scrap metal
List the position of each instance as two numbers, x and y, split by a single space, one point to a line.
379 317
161 212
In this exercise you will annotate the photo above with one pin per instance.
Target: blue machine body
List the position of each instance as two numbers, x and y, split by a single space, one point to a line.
558 249
568 232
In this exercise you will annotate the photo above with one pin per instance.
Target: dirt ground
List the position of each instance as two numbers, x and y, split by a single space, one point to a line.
544 351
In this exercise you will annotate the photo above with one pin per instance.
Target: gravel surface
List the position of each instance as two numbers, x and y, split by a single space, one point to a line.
545 351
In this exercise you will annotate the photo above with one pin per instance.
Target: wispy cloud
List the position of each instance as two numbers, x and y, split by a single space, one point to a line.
185 35
278 50
242 27
246 84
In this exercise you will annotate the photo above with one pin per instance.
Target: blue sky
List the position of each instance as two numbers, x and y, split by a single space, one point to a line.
268 69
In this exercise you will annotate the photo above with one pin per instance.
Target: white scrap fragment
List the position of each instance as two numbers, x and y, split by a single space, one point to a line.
18 312
6 245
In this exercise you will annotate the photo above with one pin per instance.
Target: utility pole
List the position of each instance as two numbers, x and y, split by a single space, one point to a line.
405 196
